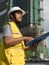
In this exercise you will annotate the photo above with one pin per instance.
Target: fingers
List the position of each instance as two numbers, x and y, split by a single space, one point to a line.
35 45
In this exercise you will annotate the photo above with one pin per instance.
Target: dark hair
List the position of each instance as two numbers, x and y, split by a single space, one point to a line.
13 14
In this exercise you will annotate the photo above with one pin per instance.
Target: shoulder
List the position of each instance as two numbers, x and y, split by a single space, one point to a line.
6 23
7 30
6 26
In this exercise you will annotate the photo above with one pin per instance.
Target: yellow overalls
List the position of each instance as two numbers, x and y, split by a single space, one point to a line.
15 54
3 60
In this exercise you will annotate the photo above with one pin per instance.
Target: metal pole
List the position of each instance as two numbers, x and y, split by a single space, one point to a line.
11 1
31 13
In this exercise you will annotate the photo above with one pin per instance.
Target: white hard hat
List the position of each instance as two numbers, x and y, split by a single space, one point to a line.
15 9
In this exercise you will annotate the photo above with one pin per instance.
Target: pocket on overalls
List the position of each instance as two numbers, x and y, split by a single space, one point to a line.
17 56
14 57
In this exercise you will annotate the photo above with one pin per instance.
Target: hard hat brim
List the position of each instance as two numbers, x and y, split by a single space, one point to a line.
15 9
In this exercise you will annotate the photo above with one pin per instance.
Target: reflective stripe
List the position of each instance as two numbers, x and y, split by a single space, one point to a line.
15 33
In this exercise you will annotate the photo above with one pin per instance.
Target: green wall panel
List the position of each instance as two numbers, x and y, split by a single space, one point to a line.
34 11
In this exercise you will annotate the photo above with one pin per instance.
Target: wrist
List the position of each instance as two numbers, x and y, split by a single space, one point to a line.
25 38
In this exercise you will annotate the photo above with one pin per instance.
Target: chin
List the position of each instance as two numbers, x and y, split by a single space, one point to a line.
20 20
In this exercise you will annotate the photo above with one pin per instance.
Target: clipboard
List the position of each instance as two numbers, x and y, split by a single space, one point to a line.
37 39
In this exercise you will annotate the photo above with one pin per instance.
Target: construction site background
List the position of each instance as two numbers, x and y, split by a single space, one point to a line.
33 21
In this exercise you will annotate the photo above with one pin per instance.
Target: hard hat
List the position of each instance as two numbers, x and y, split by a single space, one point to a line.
15 9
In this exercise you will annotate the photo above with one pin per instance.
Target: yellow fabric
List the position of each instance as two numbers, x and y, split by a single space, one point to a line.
15 54
3 60
16 33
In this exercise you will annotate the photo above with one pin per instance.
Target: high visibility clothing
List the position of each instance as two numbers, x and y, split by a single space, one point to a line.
15 54
3 60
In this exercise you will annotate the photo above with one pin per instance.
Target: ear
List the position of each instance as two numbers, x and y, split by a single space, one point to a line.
11 16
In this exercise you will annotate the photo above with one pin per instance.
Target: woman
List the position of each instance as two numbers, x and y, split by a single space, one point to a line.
13 39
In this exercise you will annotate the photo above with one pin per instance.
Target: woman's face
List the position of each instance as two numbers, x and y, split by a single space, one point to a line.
18 16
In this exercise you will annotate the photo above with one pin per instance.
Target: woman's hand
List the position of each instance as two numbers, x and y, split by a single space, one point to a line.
28 38
30 48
